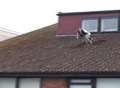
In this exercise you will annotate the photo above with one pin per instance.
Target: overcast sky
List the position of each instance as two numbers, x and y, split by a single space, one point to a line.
27 15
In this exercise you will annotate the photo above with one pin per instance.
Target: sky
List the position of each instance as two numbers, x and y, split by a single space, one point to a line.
27 15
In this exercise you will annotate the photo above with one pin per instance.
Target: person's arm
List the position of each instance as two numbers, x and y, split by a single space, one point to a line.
87 32
77 35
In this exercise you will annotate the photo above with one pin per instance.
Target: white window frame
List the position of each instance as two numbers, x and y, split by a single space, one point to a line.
108 83
108 30
90 19
87 83
29 80
16 82
8 82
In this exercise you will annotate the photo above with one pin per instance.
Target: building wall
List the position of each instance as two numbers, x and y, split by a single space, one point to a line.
59 82
64 83
54 83
69 24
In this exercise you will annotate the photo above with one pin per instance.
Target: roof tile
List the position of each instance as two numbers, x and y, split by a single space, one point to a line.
41 51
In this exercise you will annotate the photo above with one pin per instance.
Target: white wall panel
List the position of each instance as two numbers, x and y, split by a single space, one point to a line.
7 82
108 83
80 86
29 83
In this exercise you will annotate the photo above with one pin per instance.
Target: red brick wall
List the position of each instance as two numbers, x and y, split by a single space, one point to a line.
68 25
54 83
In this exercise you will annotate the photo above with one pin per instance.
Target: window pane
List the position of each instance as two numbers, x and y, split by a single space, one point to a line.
80 86
29 83
108 83
109 24
90 25
80 81
7 82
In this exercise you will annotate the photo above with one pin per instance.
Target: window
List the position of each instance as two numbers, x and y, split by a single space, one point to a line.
90 24
7 83
108 83
80 86
80 83
109 24
29 83
21 83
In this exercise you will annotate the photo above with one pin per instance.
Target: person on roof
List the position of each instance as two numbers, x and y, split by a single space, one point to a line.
86 35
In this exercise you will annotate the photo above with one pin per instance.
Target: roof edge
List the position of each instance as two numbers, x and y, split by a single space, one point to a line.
87 12
58 74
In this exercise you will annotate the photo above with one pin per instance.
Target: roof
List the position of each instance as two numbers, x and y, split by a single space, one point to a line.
42 52
88 12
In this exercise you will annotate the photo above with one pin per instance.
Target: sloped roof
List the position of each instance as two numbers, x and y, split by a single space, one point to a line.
41 51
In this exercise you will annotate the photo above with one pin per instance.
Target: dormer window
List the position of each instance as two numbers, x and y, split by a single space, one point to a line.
102 24
90 25
109 24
